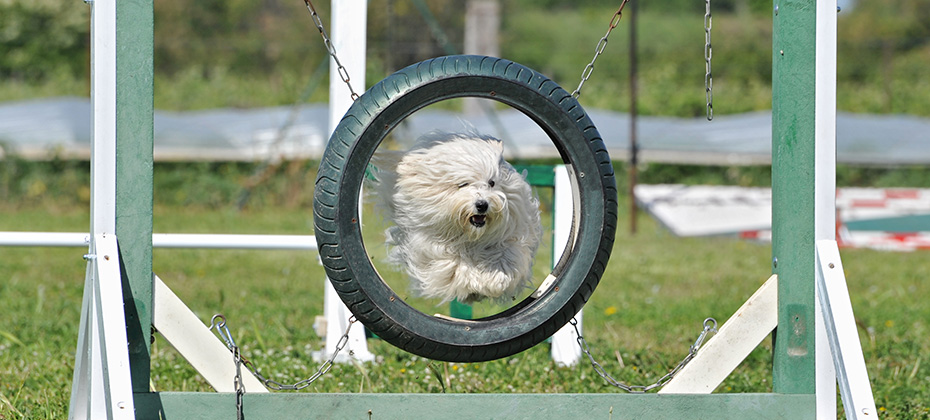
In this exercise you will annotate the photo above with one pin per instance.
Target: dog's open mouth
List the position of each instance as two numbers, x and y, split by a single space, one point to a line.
478 220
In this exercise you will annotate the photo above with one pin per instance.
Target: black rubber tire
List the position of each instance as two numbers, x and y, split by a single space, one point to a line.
342 171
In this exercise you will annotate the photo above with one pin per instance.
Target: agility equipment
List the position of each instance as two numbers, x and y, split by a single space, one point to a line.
112 367
342 171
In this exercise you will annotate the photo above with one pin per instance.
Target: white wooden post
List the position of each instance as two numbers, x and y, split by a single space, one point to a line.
482 27
565 349
824 189
102 383
349 20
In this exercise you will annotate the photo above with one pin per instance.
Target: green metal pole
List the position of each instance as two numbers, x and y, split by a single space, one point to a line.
793 188
134 146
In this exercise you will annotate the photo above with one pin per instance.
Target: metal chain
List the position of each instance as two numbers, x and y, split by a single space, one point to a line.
708 54
237 382
343 73
710 325
223 330
614 21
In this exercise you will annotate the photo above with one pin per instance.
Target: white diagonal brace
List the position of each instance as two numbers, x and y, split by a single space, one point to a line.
199 346
729 347
84 359
851 374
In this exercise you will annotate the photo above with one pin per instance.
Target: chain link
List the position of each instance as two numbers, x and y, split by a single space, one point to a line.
614 21
224 334
343 73
708 54
237 382
710 325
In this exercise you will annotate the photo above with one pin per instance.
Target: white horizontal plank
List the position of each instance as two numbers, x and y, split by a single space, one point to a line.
168 240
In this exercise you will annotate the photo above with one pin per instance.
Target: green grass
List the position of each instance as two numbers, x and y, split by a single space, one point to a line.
648 309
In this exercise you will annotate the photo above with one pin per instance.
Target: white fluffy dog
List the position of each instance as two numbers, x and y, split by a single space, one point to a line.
466 223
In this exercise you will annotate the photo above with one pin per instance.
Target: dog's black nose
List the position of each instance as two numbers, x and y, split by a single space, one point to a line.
481 206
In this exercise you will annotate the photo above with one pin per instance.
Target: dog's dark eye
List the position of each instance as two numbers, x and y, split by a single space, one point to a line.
491 183
463 185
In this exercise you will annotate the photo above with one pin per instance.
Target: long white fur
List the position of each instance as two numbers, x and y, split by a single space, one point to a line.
431 192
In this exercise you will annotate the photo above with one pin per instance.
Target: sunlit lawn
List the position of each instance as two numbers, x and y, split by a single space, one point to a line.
647 310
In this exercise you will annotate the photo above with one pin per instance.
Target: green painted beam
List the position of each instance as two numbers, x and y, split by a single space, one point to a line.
793 73
134 145
207 406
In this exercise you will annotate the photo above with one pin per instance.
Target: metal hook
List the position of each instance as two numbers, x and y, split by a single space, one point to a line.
213 322
710 324
223 330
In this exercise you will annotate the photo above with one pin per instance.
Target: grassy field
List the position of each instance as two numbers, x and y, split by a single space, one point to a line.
646 312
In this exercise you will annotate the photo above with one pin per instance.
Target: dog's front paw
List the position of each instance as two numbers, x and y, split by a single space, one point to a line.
501 284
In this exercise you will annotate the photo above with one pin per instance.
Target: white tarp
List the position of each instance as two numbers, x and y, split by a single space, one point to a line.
61 126
707 210
40 128
880 218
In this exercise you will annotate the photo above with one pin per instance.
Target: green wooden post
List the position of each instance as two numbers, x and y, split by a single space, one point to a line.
134 133
793 153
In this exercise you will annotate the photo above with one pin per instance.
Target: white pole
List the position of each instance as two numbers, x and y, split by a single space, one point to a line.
44 239
838 350
103 126
101 386
169 240
824 189
565 349
231 241
348 32
482 28
349 20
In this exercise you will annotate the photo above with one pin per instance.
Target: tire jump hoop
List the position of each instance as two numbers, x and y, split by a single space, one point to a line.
342 172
